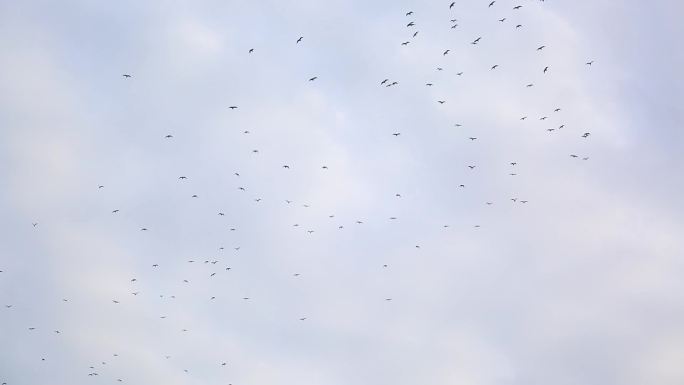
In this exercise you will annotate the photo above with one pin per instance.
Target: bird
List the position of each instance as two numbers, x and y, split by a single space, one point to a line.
384 81
445 52
546 69
410 24
589 63
409 13
127 76
492 3
441 101
169 136
541 48
34 224
502 20
233 107
300 39
476 40
397 133
251 50
313 78
517 7
405 43
495 66
452 4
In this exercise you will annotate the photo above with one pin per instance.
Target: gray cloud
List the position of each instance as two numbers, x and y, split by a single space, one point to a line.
582 284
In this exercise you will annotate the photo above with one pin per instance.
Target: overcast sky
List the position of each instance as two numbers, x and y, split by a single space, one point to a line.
582 284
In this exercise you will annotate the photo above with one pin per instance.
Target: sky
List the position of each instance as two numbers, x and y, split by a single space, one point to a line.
372 258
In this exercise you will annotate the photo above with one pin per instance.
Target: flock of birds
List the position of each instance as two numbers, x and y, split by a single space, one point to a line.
94 370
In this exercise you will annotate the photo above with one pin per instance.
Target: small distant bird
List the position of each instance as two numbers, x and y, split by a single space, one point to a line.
182 177
445 52
428 84
518 26
232 107
169 136
127 76
251 50
586 135
517 7
589 63
502 20
541 48
452 4
472 138
300 39
397 133
384 81
495 66
286 166
411 24
441 101
476 40
409 13
313 78
546 69
405 43
34 224
492 3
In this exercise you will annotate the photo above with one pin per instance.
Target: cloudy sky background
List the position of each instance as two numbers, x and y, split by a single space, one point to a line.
581 285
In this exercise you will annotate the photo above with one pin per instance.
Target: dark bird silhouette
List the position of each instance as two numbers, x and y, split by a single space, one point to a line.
313 78
251 50
232 107
452 4
492 3
300 39
127 76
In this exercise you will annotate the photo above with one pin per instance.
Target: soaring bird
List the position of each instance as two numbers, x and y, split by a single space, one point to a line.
492 3
517 7
495 66
396 133
384 81
169 136
502 20
405 43
446 52
476 40
313 78
452 4
300 39
546 69
410 24
409 13
441 101
541 48
251 50
472 138
127 76
232 107
589 63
